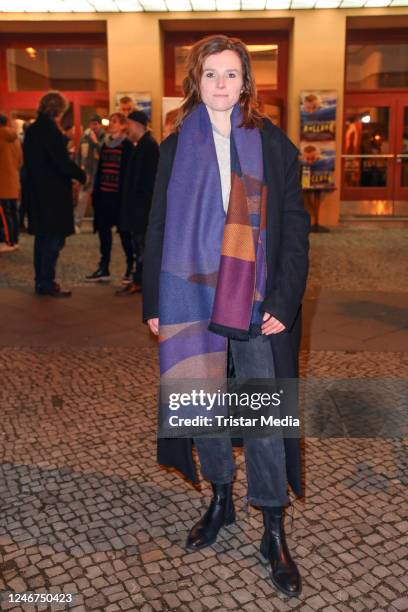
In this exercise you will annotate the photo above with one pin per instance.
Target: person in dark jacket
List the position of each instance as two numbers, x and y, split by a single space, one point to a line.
48 191
225 269
106 197
137 192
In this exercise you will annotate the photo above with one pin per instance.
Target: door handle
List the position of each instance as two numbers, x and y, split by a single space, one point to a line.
401 156
369 155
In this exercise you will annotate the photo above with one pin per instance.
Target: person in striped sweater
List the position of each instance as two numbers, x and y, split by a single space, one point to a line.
106 196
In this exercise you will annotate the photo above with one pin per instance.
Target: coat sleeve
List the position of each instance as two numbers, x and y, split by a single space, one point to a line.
292 268
148 174
59 158
155 230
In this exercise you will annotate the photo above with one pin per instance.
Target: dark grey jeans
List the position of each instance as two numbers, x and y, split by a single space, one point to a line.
264 457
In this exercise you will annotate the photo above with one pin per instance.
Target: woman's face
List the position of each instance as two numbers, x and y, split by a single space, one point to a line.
222 80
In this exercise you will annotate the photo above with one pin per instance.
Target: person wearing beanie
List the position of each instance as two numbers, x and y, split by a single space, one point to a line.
106 197
138 192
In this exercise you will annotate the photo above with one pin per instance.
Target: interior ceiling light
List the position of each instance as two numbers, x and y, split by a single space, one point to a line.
31 52
115 6
277 4
377 3
203 5
253 5
352 3
327 4
259 48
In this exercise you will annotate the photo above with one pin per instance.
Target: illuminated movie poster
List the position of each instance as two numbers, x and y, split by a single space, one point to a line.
140 100
317 138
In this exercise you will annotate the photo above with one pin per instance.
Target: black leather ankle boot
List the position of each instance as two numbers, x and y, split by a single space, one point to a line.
220 512
285 574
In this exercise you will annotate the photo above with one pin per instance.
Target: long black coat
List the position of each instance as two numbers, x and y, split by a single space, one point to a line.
287 246
137 193
48 174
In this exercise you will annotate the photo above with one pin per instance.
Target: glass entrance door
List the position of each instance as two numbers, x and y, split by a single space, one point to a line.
401 159
375 155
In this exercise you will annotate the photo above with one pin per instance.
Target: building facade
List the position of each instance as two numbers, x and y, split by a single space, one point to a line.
359 57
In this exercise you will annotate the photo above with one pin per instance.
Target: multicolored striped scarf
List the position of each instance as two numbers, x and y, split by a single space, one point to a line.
213 273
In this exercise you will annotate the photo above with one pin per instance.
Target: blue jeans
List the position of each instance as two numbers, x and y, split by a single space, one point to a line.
264 457
46 252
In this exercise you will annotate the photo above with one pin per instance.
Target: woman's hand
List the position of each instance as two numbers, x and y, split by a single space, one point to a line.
271 325
153 326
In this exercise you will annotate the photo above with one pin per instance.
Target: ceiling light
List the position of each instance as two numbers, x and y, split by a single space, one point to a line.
80 6
31 52
352 3
36 6
59 6
327 4
89 6
376 3
302 4
228 5
365 118
277 4
255 48
203 5
253 5
178 5
128 6
154 5
104 6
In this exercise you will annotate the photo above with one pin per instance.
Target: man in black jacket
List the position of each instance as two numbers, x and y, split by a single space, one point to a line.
138 192
48 191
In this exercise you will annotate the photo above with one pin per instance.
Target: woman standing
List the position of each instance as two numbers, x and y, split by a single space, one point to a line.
106 196
226 263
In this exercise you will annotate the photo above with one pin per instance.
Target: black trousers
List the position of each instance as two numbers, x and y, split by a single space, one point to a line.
9 220
46 253
105 246
138 250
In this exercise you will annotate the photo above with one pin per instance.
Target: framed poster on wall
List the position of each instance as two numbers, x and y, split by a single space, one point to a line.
126 101
318 138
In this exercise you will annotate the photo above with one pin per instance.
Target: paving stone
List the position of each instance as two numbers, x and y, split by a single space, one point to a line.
400 603
89 510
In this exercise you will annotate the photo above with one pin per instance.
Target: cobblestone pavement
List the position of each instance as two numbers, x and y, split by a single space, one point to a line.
346 259
84 508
